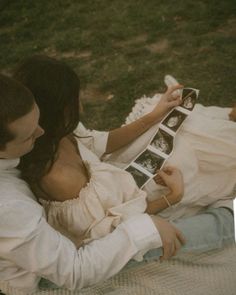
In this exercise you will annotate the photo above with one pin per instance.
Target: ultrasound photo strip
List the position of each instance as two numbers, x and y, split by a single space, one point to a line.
144 166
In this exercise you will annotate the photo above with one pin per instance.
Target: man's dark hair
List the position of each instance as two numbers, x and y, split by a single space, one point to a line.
15 102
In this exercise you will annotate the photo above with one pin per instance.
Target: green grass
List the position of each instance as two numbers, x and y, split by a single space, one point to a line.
124 48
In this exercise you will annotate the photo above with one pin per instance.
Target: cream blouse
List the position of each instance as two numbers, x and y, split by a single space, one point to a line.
110 197
204 150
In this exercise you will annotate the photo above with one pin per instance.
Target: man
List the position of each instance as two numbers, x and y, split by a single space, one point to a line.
31 249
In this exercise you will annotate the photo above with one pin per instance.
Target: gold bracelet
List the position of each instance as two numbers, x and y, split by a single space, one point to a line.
167 201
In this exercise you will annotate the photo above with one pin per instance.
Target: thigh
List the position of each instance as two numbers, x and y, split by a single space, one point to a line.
209 230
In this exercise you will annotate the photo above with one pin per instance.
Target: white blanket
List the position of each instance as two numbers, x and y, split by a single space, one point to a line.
211 273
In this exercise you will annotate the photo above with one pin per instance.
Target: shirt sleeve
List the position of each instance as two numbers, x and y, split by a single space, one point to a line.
94 140
28 240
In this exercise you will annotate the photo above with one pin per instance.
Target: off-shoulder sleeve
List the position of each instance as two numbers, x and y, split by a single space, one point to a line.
94 213
94 140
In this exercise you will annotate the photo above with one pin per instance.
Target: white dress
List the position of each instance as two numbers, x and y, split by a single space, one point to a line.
204 150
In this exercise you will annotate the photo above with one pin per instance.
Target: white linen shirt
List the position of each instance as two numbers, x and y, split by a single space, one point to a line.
30 248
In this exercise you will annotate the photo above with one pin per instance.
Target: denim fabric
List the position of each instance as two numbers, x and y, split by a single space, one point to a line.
209 230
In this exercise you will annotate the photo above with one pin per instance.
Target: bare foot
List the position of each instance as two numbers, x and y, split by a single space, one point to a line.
232 114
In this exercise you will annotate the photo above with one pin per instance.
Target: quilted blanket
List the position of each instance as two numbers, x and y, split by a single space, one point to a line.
211 273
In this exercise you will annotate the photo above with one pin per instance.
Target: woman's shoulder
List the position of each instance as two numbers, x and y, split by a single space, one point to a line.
63 182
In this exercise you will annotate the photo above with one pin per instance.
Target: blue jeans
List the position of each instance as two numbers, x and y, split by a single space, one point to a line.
209 230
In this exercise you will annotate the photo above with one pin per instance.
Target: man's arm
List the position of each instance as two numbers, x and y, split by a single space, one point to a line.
209 230
27 240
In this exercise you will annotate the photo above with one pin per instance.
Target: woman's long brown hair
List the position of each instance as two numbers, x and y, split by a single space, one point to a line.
56 89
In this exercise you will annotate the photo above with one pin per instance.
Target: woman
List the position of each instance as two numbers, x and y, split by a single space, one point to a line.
83 197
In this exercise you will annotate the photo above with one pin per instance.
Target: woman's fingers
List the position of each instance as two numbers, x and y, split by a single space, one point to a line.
175 102
162 174
159 180
169 169
173 88
173 95
165 176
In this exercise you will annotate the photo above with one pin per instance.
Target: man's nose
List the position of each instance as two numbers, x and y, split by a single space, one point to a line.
39 132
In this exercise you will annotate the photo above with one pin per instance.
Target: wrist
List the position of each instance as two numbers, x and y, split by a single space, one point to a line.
153 117
174 197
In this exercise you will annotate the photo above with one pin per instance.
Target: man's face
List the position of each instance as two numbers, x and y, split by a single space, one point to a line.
26 130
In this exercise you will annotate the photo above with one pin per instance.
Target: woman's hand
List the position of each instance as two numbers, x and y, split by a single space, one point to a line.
122 136
173 179
169 100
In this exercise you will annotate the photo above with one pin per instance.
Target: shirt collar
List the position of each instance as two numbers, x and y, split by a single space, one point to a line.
7 164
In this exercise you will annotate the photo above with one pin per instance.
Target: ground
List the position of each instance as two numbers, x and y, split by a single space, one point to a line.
122 49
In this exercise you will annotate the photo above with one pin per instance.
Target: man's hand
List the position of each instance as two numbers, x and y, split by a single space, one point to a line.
172 238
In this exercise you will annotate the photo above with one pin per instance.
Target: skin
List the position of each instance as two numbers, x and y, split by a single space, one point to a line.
172 238
26 130
172 178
